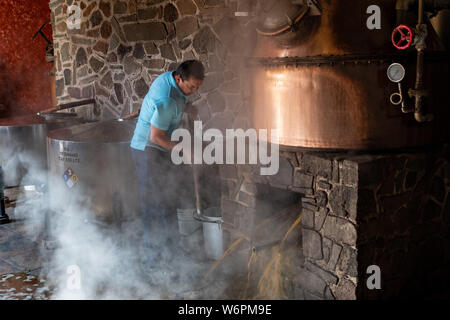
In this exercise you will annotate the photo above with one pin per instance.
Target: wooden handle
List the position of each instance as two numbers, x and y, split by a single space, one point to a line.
69 105
131 115
48 111
198 203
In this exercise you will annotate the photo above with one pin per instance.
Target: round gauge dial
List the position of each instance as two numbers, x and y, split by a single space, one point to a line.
396 72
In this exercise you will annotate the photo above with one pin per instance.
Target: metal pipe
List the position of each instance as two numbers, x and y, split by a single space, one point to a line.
419 92
434 6
428 5
287 27
420 20
68 106
3 216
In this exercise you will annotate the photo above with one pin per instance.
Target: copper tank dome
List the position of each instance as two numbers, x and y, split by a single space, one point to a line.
329 89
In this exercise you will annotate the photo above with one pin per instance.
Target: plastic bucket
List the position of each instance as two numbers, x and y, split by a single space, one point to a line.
212 232
187 225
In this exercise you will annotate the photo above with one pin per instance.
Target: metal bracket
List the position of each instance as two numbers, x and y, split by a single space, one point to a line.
49 49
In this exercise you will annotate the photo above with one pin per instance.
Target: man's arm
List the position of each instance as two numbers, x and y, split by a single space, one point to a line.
160 138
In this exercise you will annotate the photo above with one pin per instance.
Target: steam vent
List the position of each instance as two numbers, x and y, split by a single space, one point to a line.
237 150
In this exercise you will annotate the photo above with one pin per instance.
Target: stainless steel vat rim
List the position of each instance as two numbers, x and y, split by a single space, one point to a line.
22 121
58 116
105 132
87 142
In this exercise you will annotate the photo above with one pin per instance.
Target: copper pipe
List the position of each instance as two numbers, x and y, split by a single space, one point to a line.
420 20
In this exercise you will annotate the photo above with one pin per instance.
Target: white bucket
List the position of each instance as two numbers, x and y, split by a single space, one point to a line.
213 232
187 225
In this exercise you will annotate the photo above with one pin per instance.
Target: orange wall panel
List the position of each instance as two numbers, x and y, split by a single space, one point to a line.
24 87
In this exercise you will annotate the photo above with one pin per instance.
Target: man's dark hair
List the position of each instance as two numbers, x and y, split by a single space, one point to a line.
190 68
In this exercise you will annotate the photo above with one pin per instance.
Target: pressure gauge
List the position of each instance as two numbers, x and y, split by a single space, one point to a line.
396 72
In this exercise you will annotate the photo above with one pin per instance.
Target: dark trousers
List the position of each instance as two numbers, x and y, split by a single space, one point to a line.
163 187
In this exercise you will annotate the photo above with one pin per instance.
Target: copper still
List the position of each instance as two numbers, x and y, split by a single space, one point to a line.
320 76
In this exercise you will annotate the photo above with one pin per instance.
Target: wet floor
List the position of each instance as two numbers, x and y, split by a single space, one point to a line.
25 257
20 255
23 261
22 286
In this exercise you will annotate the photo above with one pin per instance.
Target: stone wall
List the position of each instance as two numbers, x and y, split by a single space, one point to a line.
390 210
123 45
404 222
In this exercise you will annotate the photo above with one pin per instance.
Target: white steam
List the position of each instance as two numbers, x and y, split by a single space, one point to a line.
91 260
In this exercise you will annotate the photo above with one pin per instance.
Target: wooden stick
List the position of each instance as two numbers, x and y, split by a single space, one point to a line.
131 115
198 203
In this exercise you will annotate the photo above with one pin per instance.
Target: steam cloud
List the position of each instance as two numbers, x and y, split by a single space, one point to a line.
108 256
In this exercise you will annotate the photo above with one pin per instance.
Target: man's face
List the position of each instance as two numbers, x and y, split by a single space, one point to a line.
190 86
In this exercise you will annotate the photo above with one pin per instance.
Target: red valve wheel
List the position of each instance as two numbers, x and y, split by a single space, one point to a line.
402 37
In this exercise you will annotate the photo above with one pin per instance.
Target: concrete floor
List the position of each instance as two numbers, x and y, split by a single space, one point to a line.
23 259
20 256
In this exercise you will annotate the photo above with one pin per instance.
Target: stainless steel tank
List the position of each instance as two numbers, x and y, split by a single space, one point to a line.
23 154
323 82
22 149
90 167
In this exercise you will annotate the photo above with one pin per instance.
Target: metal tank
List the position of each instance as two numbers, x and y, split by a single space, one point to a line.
23 154
320 77
22 149
90 167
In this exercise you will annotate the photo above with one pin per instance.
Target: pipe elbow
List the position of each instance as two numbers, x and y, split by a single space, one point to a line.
421 118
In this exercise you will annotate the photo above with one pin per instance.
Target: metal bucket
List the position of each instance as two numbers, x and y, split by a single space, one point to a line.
187 225
212 232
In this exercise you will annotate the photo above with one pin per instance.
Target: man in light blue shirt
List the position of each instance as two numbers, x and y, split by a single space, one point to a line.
159 181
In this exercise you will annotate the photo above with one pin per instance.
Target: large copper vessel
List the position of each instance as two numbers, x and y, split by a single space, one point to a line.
323 84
